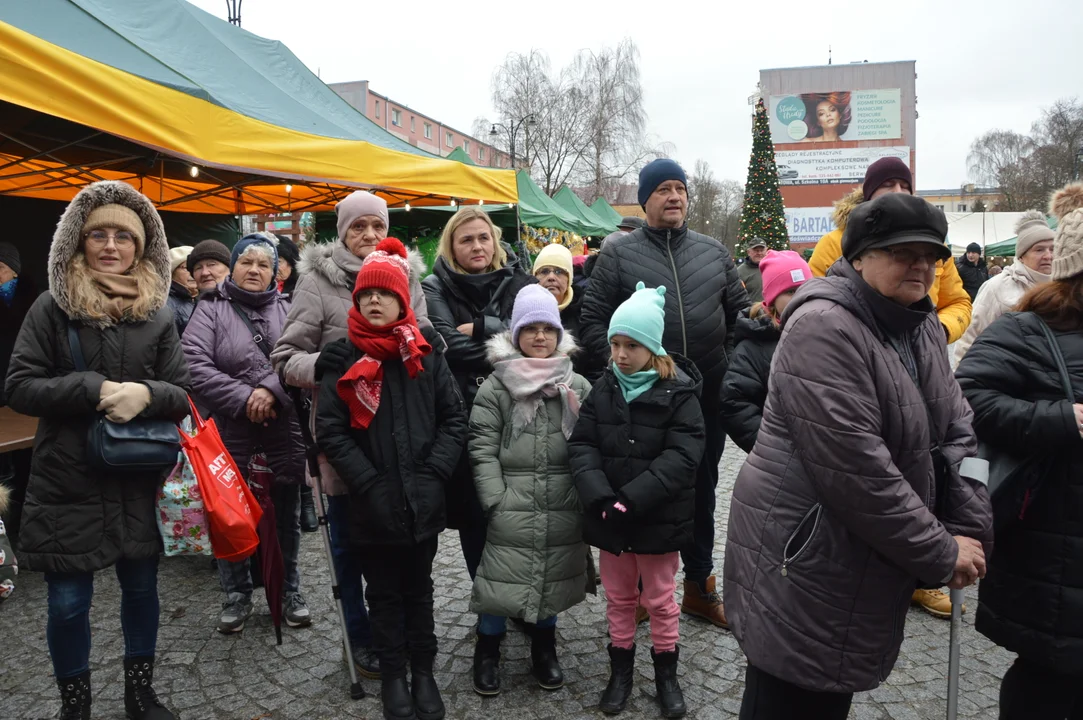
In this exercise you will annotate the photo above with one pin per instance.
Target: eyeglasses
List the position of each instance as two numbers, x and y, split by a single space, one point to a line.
547 330
99 238
548 270
909 256
383 297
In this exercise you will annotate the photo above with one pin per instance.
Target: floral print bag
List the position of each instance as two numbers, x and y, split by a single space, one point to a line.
181 518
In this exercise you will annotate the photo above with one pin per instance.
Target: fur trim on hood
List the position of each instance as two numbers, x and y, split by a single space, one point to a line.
500 347
845 206
151 270
316 258
5 499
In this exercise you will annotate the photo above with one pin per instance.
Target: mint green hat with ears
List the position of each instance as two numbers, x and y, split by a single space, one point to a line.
642 317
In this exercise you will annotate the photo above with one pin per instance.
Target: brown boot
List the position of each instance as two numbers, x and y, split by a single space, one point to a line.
704 602
642 615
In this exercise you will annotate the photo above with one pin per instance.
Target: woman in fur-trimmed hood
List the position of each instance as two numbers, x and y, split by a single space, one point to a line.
109 274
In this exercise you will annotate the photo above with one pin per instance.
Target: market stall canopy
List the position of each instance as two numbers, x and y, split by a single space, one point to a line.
990 229
537 209
198 114
591 223
460 155
605 211
1007 248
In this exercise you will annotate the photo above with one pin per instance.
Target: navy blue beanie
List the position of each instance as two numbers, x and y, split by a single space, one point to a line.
654 174
254 239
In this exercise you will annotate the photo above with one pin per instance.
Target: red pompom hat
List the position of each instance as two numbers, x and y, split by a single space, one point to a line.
386 268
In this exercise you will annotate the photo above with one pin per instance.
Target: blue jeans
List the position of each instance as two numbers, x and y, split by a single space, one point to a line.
236 577
495 624
68 629
348 568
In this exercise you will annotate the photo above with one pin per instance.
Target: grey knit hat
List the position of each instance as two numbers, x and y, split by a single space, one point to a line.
1031 229
1067 206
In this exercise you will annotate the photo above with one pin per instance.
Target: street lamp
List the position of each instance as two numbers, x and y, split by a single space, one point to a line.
233 10
513 131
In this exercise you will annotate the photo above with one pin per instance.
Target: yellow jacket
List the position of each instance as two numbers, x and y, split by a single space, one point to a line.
947 293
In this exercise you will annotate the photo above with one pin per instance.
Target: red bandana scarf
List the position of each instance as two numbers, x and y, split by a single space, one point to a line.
360 387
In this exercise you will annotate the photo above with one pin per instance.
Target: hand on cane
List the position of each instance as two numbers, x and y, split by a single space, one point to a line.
969 565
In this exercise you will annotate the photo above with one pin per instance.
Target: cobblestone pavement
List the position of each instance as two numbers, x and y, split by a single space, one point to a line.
202 674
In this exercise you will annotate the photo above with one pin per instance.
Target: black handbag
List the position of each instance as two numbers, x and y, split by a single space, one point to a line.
140 445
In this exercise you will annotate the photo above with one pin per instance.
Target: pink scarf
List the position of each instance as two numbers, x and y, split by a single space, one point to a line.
530 381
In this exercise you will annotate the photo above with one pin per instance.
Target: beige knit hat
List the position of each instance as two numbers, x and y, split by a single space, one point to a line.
1067 207
117 216
178 256
1031 229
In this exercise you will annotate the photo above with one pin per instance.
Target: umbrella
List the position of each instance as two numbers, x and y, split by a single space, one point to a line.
272 569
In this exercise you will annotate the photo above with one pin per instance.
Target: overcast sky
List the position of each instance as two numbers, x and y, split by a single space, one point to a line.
980 65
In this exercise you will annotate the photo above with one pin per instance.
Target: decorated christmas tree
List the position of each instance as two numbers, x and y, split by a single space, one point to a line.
762 215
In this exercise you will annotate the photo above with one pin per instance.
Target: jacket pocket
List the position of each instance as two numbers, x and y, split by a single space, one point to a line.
801 538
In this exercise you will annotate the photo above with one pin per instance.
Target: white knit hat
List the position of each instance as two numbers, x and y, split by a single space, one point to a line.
1031 229
178 256
1067 206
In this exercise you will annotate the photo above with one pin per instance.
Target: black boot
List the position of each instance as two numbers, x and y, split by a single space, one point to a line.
140 700
543 658
75 697
309 523
670 696
395 695
427 702
621 664
487 664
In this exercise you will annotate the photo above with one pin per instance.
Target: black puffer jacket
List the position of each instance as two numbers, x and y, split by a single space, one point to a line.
703 295
397 467
973 275
1031 600
76 519
182 304
744 389
645 453
11 319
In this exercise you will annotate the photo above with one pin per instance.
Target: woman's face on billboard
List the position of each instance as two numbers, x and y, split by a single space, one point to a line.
827 115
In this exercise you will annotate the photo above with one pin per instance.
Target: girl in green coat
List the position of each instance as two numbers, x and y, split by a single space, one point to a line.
534 564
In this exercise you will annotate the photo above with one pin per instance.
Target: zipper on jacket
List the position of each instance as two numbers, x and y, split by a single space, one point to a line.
788 559
680 300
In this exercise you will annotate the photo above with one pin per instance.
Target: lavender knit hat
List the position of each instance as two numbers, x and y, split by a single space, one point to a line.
355 205
534 304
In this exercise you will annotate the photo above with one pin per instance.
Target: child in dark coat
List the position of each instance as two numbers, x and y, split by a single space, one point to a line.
392 423
744 388
634 454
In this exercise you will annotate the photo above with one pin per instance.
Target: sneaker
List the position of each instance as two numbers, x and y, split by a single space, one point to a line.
233 617
296 611
935 602
366 662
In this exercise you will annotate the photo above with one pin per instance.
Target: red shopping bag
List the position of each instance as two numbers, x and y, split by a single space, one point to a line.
232 511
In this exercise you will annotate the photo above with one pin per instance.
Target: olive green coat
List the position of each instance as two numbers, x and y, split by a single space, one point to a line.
535 561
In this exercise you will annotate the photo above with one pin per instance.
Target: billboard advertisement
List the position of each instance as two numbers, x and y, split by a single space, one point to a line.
836 116
808 225
832 166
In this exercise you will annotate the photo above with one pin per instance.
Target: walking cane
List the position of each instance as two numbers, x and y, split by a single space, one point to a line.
312 453
953 652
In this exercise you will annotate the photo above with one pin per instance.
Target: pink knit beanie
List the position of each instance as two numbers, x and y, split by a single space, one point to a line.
357 204
782 271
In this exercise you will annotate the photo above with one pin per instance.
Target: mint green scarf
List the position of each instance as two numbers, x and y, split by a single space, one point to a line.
634 385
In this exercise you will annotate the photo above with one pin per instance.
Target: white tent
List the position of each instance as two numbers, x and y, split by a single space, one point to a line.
987 228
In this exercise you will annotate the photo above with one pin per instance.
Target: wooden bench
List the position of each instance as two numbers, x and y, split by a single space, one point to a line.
16 431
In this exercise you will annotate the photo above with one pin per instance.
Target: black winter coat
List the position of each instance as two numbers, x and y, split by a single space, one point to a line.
1031 600
645 454
396 469
973 275
744 388
11 319
181 302
703 295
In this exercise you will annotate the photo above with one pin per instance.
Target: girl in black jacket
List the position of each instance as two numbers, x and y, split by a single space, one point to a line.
744 388
634 454
392 424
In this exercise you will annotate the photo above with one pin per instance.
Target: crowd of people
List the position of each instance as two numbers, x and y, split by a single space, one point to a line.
544 409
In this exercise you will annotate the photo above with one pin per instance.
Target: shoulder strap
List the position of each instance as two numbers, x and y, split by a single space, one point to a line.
261 342
76 348
1058 358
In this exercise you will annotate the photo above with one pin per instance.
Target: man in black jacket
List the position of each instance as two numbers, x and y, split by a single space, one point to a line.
972 270
704 295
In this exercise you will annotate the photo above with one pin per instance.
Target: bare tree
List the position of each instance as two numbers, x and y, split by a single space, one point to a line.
714 206
1000 158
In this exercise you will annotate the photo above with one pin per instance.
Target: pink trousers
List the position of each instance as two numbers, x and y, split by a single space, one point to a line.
620 578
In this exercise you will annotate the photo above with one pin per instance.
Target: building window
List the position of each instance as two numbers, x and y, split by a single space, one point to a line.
449 140
428 131
396 117
962 207
466 146
481 153
413 127
940 208
377 109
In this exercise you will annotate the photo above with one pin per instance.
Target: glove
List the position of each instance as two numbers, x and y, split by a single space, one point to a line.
615 514
332 358
126 402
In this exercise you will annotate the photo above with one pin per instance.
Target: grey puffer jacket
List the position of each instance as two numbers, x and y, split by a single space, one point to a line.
832 520
535 561
76 519
317 317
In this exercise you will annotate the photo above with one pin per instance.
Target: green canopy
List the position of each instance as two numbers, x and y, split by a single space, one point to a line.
605 211
1007 248
590 222
460 155
537 209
